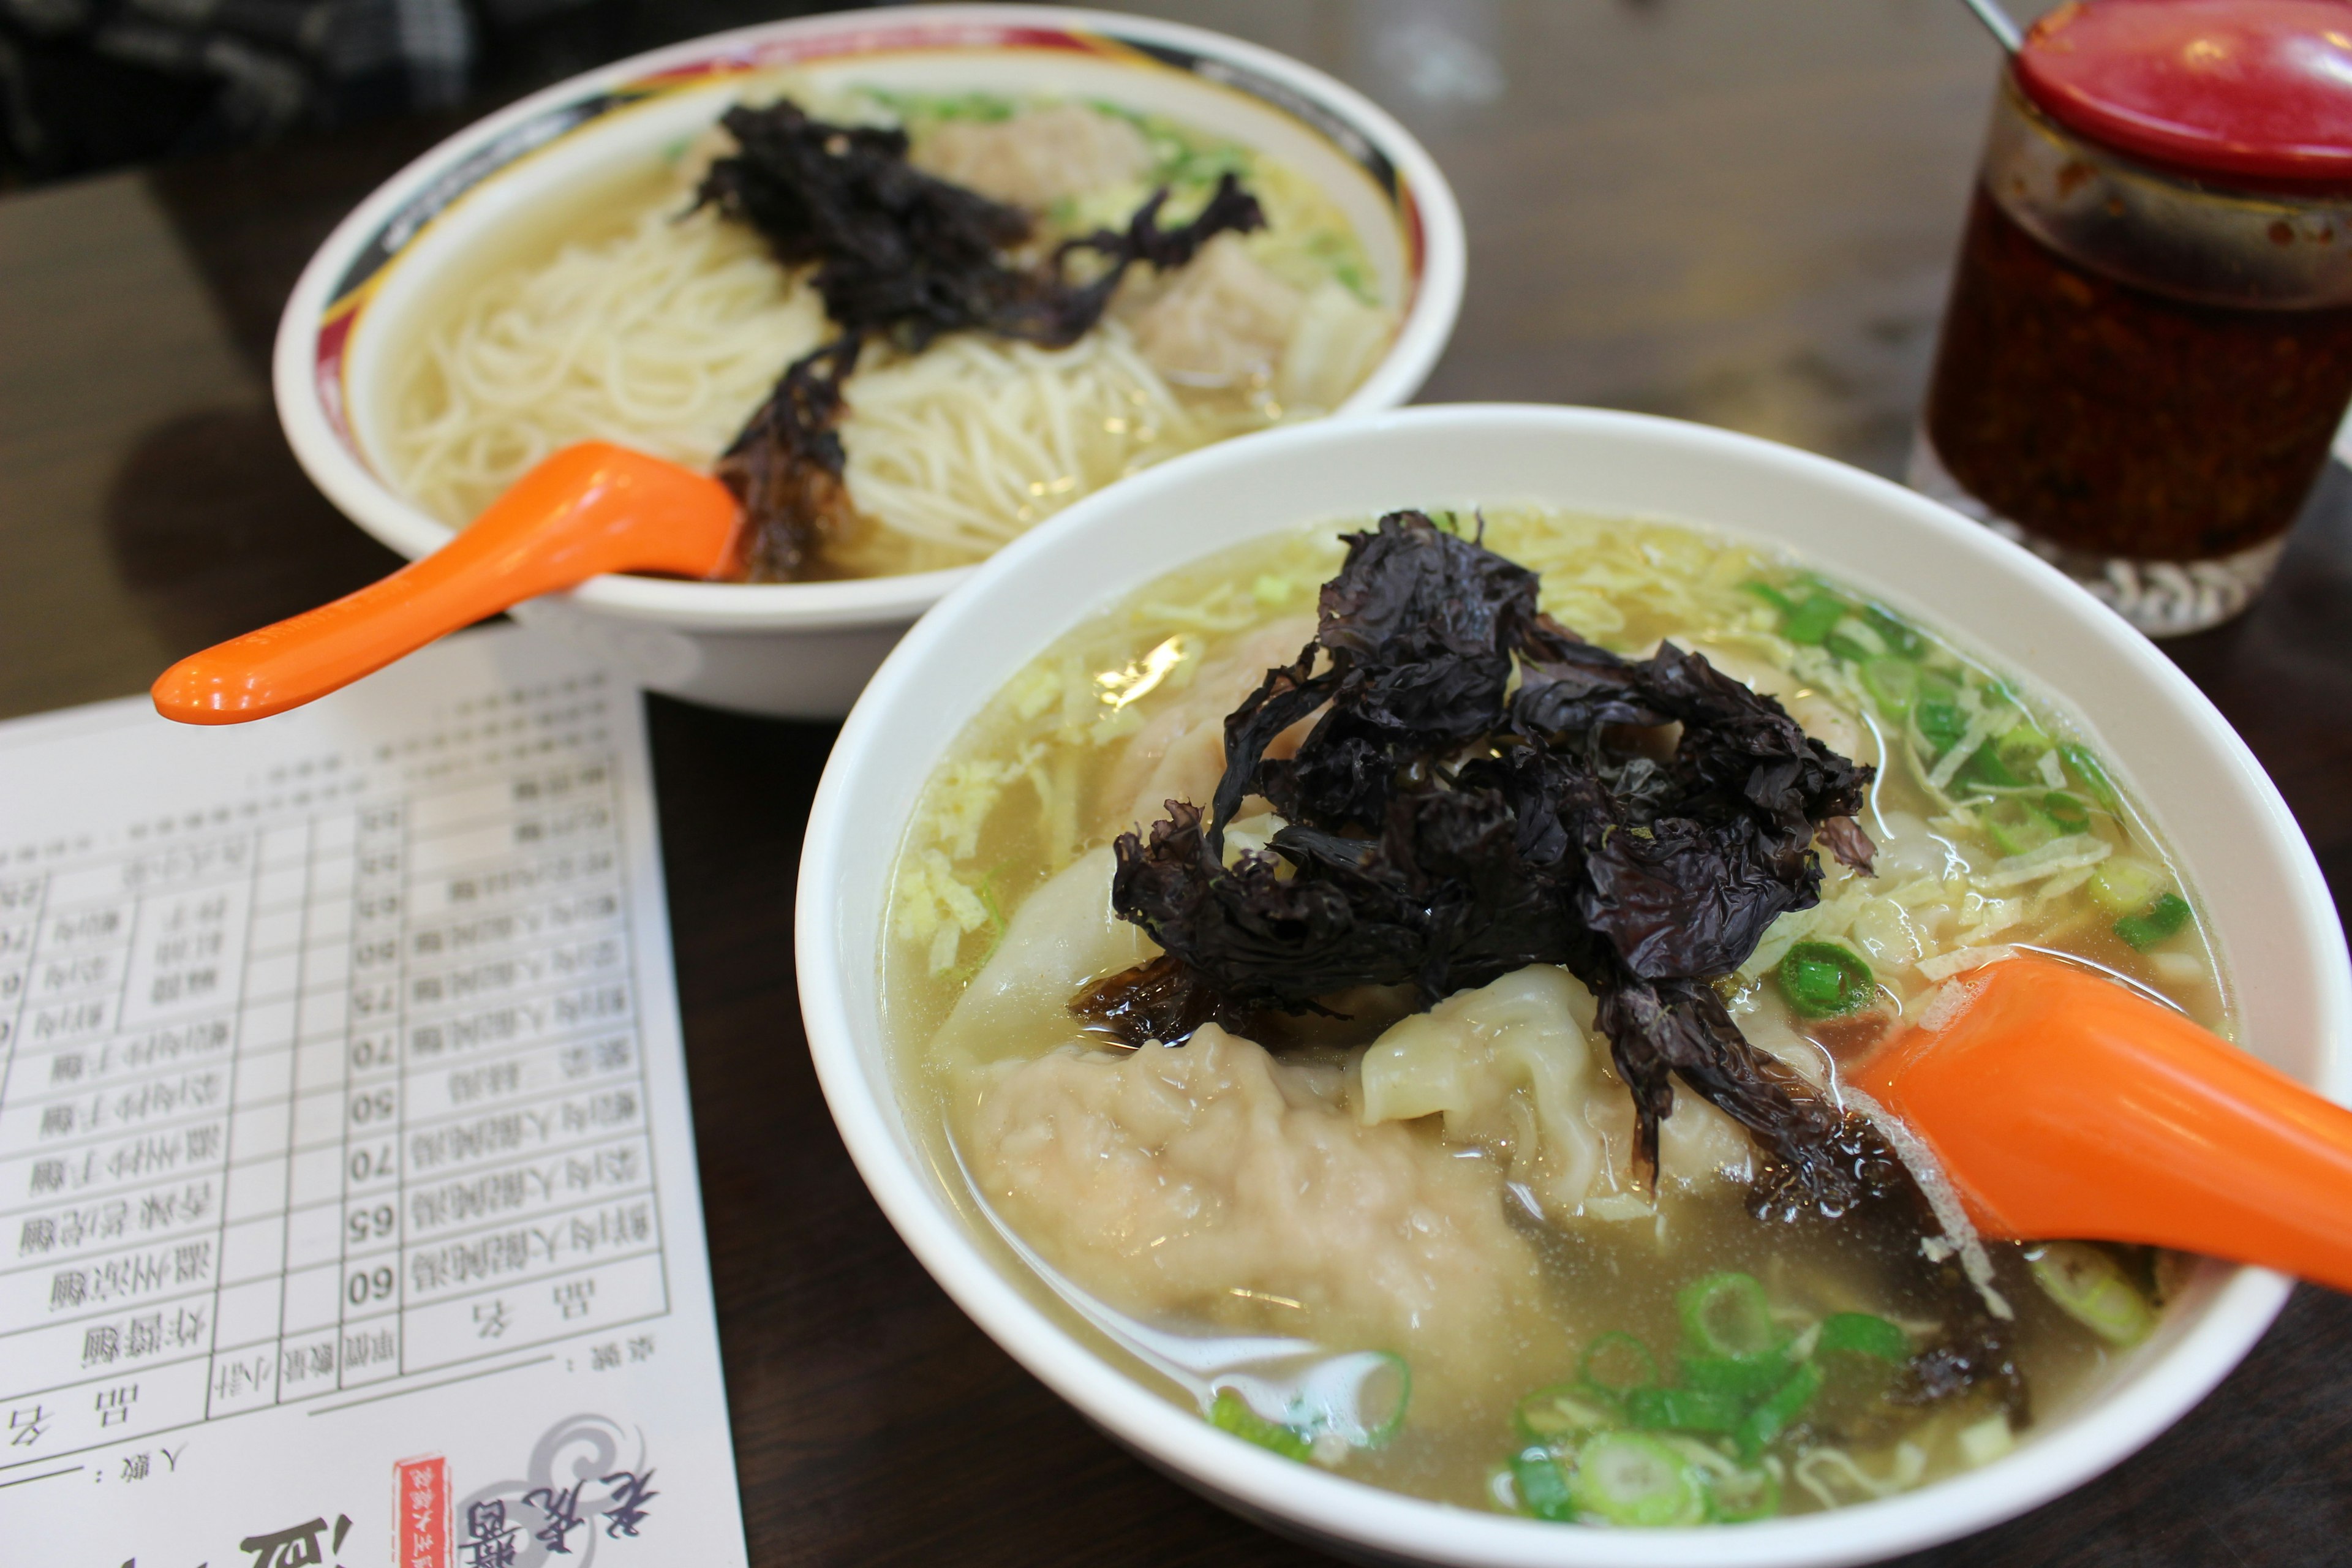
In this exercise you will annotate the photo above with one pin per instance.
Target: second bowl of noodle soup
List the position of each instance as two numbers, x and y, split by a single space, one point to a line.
1407 1257
547 276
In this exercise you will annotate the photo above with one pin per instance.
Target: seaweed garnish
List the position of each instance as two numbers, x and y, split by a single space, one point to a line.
786 465
1444 828
1163 998
1446 825
901 256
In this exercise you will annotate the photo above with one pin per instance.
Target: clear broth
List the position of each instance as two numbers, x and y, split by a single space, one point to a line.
1037 781
456 451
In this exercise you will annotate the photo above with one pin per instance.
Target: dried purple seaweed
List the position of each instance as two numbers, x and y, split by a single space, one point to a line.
1444 828
785 465
902 255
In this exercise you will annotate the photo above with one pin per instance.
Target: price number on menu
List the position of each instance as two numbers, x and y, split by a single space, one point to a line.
370 1287
378 1222
373 1164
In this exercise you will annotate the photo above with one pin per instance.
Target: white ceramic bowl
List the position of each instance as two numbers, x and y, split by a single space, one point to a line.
2262 894
804 650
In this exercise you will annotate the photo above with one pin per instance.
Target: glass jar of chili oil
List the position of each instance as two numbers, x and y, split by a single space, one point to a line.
2148 345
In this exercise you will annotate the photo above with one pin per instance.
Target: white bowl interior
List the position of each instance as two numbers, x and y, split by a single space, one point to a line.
1317 129
2258 887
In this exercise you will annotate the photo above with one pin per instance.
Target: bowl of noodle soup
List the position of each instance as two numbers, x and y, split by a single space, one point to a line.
961 1126
546 277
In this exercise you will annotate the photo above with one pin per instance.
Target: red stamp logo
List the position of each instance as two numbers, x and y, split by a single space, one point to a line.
420 1513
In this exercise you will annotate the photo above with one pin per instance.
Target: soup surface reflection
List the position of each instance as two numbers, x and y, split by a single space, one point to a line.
1417 1246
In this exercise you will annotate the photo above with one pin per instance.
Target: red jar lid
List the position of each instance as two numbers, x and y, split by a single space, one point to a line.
2255 89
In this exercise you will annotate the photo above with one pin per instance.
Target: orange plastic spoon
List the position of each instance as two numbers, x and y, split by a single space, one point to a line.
590 508
2063 1105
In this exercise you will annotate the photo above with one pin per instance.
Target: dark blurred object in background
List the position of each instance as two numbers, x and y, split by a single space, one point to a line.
87 85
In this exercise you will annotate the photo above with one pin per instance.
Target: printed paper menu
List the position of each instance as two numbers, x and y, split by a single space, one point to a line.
348 1211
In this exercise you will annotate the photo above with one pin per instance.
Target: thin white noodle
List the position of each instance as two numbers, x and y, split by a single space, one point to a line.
664 335
667 333
974 440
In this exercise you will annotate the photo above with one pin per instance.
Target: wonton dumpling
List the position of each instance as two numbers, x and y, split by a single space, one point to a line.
1815 714
1514 1069
1064 935
1037 157
1334 344
1225 319
1180 754
1212 1181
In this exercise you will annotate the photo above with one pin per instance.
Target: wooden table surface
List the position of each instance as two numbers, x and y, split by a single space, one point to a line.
1736 211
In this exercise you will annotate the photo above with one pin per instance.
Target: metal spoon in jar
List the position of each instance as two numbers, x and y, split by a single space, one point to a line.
1998 22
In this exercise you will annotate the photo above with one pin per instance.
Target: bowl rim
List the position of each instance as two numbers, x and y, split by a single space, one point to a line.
2240 1307
1427 203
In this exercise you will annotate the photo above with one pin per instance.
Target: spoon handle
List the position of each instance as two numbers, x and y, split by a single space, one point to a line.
2064 1105
590 508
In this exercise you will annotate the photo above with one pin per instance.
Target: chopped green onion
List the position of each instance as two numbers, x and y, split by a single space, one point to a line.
1736 1377
1864 1333
2067 811
1359 1399
2125 884
1618 1364
2021 749
1986 767
1785 1404
2160 919
1810 622
1899 634
1941 723
2086 767
1563 1413
1738 1496
1857 630
1727 1315
1685 1410
2091 1287
1625 1477
1769 594
1402 1371
1822 980
1543 1490
2018 826
1232 1414
1851 650
1893 683
1853 640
